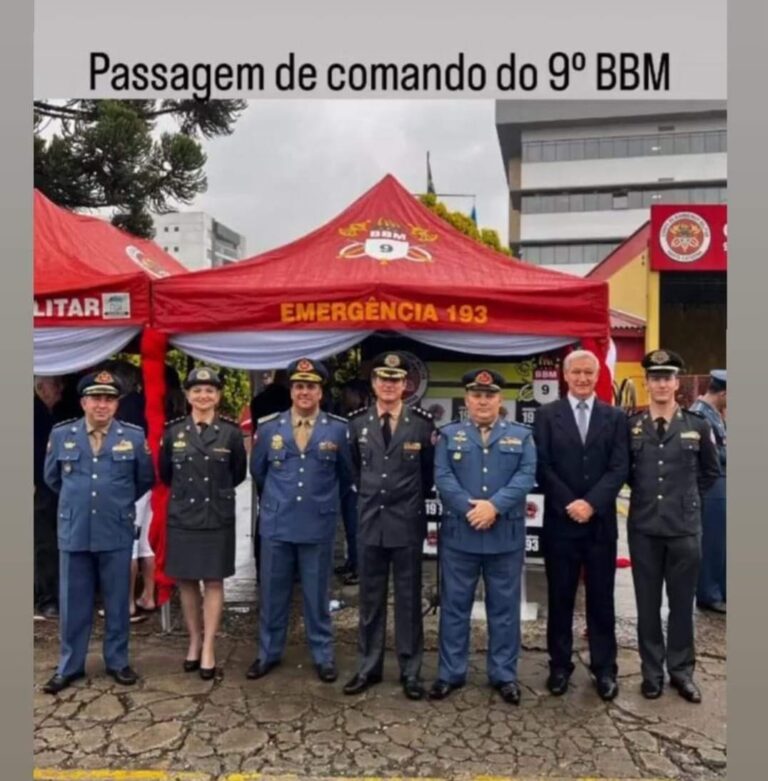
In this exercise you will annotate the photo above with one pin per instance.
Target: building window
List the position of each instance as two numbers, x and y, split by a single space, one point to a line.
175 228
620 200
165 229
175 249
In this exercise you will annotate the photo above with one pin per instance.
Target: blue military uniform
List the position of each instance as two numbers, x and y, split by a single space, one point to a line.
501 470
300 494
96 529
711 589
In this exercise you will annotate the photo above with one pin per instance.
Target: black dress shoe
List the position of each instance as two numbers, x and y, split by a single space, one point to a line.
714 607
510 692
441 689
352 579
327 673
687 689
651 689
607 687
190 665
557 683
59 682
413 689
125 676
208 673
343 569
259 669
359 683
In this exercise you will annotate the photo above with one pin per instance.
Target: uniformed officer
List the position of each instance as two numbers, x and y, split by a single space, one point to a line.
203 459
393 453
99 466
711 592
302 468
673 462
484 469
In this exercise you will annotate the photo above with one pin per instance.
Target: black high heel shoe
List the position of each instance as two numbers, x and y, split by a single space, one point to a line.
208 673
190 665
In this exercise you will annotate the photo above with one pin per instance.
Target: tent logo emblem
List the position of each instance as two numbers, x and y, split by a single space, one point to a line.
386 241
115 306
685 237
152 267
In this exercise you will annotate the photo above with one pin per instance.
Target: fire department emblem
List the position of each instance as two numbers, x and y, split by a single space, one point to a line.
386 241
304 365
484 378
152 267
685 237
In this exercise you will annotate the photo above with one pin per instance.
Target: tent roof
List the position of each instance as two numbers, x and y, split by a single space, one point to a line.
385 262
88 272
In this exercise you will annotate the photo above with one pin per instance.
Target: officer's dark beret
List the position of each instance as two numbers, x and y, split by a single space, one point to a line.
390 366
100 383
718 379
307 370
658 361
202 376
483 379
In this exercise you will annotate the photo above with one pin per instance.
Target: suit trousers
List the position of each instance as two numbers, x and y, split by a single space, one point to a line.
46 547
672 562
81 572
375 562
564 558
502 573
279 562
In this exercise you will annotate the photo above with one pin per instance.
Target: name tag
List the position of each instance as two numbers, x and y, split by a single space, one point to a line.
690 435
123 446
277 442
69 445
221 450
179 444
510 441
328 445
412 446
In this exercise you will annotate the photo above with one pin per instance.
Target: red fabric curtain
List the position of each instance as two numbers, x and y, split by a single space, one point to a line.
153 348
604 388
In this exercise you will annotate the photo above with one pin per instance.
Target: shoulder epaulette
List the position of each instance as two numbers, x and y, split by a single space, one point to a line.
175 420
356 413
453 422
636 415
64 422
130 425
422 413
695 413
336 417
267 418
231 421
522 425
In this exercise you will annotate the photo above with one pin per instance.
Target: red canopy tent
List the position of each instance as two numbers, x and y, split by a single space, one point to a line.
386 263
92 296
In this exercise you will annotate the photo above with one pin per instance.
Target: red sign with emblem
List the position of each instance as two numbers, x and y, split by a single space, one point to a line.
689 237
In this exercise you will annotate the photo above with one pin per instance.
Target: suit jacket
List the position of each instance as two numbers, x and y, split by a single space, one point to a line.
97 494
300 493
393 481
569 469
203 471
501 470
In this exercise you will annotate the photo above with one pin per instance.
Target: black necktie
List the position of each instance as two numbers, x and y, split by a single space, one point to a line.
661 427
386 428
202 427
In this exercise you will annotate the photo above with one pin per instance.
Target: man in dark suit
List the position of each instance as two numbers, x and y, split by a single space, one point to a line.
393 453
583 463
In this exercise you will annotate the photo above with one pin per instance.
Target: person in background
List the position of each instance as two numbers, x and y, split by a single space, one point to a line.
47 394
583 461
711 591
99 466
673 463
203 460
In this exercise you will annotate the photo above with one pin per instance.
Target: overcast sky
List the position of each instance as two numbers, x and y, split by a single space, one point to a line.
291 166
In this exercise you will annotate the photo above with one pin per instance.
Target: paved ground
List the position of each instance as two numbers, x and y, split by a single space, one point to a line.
289 722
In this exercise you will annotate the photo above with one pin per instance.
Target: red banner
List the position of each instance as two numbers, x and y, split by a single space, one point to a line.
689 237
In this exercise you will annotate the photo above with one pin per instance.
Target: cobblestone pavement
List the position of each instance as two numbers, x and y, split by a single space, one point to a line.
291 723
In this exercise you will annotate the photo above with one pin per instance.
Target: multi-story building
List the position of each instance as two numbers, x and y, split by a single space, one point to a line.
198 240
583 174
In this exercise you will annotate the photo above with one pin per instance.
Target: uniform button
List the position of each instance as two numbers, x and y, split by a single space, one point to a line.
303 456
383 490
95 460
298 498
207 499
386 458
205 479
660 479
93 512
384 476
301 485
485 469
485 450
301 469
661 447
93 493
381 507
485 488
190 479
192 500
659 496
661 463
207 458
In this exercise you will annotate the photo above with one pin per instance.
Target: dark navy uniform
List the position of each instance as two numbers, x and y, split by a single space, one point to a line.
96 517
203 469
711 591
300 495
501 470
668 476
393 481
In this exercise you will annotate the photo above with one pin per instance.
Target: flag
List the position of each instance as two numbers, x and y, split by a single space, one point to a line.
473 215
430 183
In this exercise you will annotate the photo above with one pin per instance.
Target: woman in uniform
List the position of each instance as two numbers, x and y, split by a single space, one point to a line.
202 459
